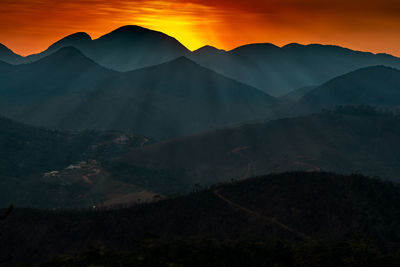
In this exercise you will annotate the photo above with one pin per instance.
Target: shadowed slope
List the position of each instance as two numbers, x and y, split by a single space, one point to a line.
9 56
68 90
378 86
342 141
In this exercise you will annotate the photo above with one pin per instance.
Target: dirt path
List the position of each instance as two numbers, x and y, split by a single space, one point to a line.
261 216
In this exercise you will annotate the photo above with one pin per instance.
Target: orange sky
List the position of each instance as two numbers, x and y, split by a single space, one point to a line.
29 26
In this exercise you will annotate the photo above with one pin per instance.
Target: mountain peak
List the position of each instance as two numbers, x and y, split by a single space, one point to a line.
318 47
69 54
8 56
78 36
254 49
131 31
74 39
131 28
138 34
4 48
209 49
377 69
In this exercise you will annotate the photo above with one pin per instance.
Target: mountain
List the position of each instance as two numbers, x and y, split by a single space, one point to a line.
9 56
48 169
80 40
126 48
377 86
345 140
323 216
67 90
297 94
279 70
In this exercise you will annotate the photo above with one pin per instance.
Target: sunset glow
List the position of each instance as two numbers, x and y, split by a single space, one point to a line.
30 26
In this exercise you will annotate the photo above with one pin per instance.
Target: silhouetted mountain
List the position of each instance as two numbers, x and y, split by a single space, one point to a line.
9 56
80 40
305 208
127 48
48 169
377 86
69 91
346 140
277 71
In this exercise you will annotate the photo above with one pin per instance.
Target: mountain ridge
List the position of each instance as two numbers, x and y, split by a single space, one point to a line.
375 85
279 70
68 90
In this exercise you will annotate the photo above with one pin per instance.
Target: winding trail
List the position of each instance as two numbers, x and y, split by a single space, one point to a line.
256 214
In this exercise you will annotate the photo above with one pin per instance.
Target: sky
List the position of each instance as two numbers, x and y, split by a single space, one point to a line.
30 26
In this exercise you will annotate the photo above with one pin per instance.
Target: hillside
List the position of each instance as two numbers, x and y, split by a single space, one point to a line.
310 208
377 86
280 70
297 94
126 48
67 90
8 56
47 168
346 140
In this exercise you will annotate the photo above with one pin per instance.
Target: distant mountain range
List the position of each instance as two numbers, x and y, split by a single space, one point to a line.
67 90
212 125
274 70
126 48
277 71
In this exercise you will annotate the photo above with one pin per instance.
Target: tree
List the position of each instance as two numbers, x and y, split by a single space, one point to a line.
3 218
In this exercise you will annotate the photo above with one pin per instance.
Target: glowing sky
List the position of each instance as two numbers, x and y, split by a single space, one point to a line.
28 26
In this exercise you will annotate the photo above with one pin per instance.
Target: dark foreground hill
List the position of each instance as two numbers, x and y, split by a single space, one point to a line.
46 168
67 90
309 209
280 70
344 140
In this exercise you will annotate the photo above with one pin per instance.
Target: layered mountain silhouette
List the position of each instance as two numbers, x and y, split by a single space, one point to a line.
126 48
274 70
377 86
79 40
345 140
70 91
8 56
277 71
